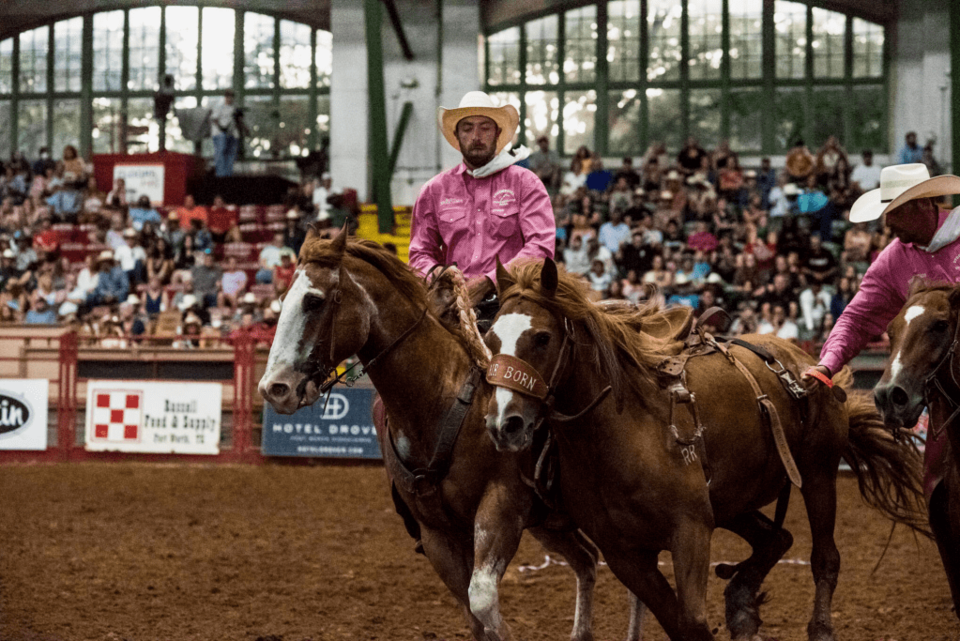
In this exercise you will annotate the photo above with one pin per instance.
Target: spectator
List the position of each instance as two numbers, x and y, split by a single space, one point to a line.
171 232
621 196
865 176
43 163
657 274
819 264
690 158
142 213
226 135
800 162
118 195
41 312
545 163
779 324
284 272
628 173
206 280
684 292
830 157
202 238
599 179
930 160
320 196
190 332
93 201
614 232
65 201
113 285
814 305
633 290
293 234
160 261
130 319
846 290
232 284
702 239
47 238
575 256
74 167
600 279
636 256
221 218
814 202
911 152
155 298
766 181
132 258
191 211
269 258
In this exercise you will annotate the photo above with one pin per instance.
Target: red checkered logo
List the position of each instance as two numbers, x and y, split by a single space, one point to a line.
117 415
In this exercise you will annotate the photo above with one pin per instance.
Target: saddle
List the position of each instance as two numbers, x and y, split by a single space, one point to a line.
671 376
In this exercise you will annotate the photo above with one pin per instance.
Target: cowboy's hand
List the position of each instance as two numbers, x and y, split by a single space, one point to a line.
810 382
478 288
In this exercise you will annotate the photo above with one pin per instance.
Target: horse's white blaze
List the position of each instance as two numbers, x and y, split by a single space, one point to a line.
291 324
913 312
508 329
895 367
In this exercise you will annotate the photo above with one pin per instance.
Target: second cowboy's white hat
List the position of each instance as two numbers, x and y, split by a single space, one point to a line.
898 184
477 103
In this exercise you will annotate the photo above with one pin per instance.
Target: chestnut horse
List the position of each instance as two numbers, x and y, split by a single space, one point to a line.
636 487
924 370
356 298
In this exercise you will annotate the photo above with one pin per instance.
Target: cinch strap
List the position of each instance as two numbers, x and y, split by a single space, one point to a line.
516 374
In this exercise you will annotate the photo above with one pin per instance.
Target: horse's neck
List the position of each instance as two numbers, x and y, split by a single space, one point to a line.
419 378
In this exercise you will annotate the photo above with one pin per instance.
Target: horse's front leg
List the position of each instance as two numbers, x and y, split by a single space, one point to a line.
498 528
820 498
582 555
691 564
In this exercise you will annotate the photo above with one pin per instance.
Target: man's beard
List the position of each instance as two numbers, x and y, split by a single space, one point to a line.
478 157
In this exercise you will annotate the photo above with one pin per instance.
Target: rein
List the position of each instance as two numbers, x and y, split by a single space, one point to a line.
932 382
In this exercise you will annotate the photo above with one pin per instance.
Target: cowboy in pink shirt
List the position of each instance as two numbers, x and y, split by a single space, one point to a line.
927 244
484 208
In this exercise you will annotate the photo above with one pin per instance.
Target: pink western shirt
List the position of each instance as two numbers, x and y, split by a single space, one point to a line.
883 293
470 221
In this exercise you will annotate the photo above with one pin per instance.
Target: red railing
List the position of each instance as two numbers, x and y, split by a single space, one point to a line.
65 447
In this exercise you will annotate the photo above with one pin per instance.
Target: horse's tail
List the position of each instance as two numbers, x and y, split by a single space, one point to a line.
889 473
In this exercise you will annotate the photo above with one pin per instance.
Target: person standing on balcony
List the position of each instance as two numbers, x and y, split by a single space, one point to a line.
226 135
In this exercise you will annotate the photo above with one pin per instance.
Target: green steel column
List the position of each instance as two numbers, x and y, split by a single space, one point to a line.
15 98
51 59
725 71
313 138
644 130
955 88
377 137
86 88
601 123
808 114
769 72
685 126
162 69
124 82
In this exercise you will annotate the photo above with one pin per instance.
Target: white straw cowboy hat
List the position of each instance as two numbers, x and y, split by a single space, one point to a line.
477 103
899 184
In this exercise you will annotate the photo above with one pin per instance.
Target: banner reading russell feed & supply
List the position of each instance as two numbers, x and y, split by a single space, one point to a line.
344 430
23 413
167 418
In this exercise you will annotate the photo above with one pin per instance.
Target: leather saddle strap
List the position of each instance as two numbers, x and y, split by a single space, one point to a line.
779 437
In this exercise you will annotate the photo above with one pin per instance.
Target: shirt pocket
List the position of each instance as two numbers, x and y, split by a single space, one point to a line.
505 223
450 222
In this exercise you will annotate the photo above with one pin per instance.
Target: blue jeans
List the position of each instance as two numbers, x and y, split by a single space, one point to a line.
224 154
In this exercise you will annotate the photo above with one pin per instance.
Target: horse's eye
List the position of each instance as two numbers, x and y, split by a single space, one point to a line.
541 339
941 326
312 303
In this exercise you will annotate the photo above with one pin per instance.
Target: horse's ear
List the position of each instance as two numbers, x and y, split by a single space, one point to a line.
340 241
504 279
549 278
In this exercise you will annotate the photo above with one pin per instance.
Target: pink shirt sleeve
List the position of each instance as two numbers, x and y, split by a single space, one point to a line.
425 241
873 307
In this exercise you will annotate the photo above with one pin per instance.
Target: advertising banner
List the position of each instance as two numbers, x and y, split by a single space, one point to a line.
164 418
23 413
141 180
344 430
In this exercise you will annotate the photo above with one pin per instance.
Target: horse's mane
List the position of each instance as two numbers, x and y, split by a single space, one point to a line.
920 285
319 251
621 348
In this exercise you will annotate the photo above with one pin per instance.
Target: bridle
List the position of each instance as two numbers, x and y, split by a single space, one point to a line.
516 374
932 384
315 371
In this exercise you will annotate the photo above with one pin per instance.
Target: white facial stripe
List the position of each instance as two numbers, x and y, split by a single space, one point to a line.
895 367
508 329
913 312
291 324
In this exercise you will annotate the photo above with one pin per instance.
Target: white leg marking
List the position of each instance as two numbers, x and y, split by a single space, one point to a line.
913 312
508 329
484 600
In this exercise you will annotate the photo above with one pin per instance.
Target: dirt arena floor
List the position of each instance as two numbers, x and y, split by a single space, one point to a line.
112 552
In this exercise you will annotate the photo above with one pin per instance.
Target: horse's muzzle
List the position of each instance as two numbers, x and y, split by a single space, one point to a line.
898 406
281 390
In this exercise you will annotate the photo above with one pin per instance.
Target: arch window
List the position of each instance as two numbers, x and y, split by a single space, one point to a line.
89 80
760 73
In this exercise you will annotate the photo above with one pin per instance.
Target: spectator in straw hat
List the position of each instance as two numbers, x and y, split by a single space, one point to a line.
113 285
485 207
927 242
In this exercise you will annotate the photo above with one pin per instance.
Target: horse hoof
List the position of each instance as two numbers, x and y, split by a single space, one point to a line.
725 571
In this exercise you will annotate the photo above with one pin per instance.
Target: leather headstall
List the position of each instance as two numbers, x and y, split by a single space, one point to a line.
932 382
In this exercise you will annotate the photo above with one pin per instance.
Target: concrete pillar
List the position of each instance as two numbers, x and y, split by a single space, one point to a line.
444 38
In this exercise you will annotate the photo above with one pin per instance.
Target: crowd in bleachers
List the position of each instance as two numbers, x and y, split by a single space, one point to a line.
122 271
772 247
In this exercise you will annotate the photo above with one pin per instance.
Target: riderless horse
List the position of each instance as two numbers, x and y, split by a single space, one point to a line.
471 503
924 372
658 445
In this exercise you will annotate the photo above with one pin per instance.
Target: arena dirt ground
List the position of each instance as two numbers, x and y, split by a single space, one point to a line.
133 551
